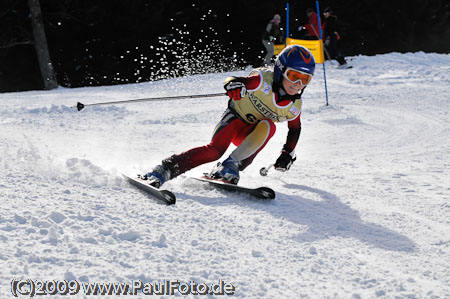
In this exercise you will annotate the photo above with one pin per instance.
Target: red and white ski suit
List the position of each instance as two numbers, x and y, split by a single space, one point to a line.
247 123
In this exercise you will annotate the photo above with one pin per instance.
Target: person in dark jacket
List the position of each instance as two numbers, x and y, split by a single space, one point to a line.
331 37
272 35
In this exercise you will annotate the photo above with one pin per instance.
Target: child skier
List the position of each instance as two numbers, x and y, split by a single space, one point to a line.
256 103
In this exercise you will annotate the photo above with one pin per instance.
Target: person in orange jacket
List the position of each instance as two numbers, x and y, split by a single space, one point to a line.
312 28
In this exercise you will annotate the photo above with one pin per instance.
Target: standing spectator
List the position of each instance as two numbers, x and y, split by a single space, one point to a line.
312 28
331 37
272 35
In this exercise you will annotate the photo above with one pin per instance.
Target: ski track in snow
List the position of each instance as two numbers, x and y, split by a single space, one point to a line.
363 212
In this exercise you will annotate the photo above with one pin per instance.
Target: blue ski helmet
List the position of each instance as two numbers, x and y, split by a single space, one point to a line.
296 57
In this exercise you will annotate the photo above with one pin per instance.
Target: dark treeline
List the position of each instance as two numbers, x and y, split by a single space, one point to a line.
101 42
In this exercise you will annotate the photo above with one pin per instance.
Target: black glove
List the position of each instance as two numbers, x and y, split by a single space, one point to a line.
327 41
284 161
235 88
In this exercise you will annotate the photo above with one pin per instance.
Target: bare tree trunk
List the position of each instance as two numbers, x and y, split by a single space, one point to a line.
40 44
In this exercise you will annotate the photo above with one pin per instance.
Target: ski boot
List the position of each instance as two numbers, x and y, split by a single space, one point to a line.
158 176
227 171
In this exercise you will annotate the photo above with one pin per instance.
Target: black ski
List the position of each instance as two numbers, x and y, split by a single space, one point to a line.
162 195
261 192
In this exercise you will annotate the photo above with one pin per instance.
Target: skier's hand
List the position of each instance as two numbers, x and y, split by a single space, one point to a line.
327 41
284 161
235 89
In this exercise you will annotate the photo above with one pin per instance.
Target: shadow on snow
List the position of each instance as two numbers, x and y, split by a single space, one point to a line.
325 218
330 217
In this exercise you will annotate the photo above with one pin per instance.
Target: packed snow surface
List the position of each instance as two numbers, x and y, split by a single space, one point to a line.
364 212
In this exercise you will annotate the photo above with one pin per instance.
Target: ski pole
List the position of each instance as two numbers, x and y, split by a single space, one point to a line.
80 106
263 171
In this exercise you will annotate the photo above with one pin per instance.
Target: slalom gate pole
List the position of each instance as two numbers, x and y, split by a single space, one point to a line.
287 22
320 30
80 106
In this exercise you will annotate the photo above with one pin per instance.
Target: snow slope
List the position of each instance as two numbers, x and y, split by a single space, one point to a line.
363 213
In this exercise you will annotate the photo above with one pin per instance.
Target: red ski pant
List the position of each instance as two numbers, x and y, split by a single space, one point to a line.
250 139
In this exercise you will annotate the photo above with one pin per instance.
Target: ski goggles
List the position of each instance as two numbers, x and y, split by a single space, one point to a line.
295 76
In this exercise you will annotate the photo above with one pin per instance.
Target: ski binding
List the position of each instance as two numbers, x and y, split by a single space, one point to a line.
261 192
